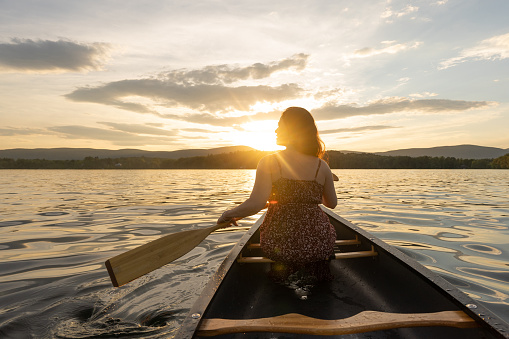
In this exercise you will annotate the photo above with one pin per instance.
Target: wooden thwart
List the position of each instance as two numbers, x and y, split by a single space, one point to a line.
337 256
338 243
366 321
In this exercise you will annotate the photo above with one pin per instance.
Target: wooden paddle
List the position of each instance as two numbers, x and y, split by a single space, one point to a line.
143 259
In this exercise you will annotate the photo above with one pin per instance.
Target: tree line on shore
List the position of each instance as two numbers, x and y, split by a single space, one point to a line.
249 160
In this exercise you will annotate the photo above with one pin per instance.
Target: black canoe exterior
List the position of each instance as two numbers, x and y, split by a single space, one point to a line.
389 282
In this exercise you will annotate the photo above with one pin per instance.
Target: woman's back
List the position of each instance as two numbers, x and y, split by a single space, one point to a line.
295 229
289 187
294 165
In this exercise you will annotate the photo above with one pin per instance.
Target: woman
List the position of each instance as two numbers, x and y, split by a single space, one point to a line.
295 233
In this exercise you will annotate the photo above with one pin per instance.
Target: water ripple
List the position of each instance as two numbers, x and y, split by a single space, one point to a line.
60 226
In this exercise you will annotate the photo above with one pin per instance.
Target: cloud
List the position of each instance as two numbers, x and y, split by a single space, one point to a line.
396 105
119 134
226 74
495 48
140 129
392 48
221 120
356 129
206 89
46 56
423 95
119 138
12 131
390 13
197 130
216 98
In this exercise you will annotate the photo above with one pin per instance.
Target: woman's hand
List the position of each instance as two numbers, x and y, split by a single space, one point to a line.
224 218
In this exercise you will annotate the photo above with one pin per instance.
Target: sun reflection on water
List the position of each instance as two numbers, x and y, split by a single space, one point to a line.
58 227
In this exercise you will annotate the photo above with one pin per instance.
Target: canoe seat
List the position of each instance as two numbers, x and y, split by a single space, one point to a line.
367 321
336 256
338 243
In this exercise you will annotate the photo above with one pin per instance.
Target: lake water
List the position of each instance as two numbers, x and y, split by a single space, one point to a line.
57 227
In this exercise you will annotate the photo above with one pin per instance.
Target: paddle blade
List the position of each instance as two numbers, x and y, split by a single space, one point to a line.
143 259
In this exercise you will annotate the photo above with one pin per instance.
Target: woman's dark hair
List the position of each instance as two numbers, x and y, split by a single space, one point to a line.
302 132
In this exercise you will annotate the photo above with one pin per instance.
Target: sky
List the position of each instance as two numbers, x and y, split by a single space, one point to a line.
171 75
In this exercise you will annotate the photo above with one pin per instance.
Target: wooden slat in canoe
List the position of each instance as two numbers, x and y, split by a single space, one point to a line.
344 242
366 321
337 256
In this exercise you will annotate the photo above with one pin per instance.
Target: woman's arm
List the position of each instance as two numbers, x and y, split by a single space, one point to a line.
329 197
258 198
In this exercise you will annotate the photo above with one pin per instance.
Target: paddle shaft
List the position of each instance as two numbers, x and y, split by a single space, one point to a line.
143 259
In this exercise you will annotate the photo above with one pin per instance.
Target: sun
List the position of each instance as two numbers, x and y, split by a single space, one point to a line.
258 134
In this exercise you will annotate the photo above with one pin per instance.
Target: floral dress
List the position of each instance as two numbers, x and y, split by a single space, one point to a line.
296 233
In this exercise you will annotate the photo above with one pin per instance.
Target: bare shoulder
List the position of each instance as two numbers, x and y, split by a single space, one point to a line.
324 174
324 166
268 162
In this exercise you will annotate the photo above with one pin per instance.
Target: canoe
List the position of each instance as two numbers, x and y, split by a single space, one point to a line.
377 292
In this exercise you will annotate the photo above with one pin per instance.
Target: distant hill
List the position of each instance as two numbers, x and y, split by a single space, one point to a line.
460 151
81 153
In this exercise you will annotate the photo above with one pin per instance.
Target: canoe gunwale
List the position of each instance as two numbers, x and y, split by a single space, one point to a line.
194 316
480 314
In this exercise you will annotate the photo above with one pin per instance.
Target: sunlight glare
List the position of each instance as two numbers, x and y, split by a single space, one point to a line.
264 107
259 134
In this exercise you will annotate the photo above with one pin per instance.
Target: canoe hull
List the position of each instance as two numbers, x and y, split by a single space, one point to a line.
389 282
